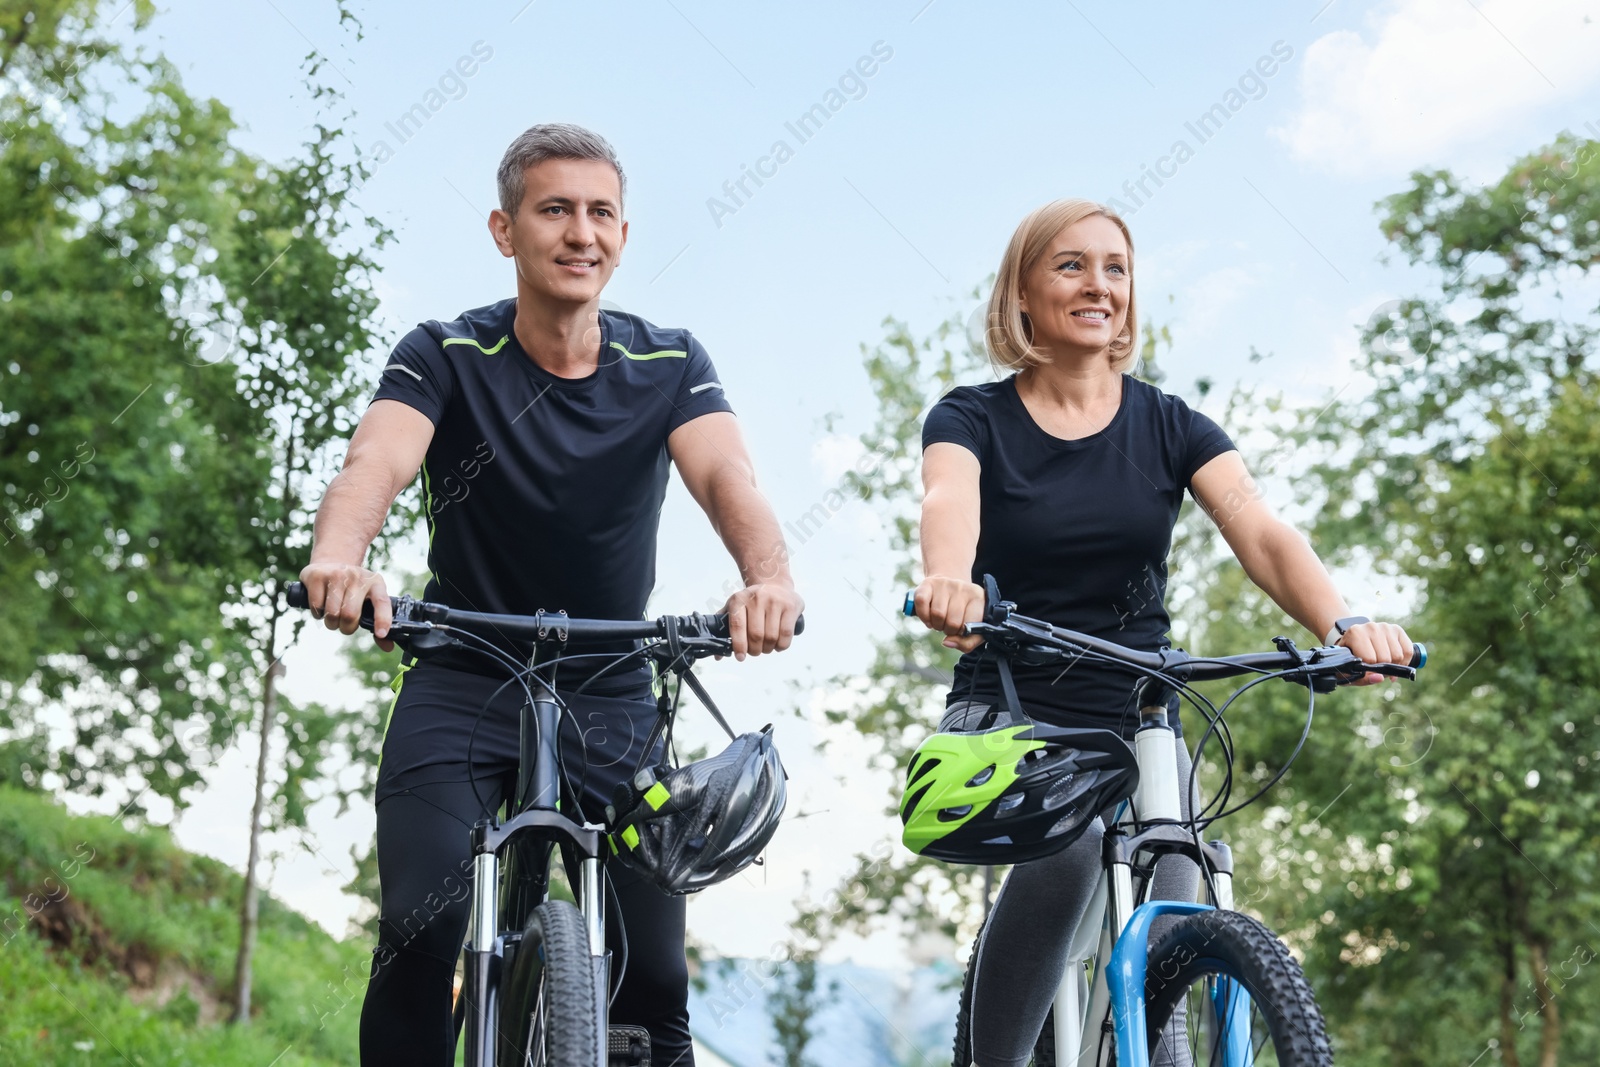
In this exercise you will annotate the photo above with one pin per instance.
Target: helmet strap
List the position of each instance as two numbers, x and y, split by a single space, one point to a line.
1008 687
667 711
705 698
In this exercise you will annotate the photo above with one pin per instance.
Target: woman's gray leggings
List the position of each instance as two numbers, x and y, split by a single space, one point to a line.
1022 954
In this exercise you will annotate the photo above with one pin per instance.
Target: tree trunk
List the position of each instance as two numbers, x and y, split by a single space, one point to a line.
249 906
1550 1014
1508 992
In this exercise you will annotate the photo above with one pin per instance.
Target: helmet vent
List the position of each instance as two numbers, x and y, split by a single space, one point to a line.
922 769
1062 790
913 800
955 814
981 777
1067 823
1007 804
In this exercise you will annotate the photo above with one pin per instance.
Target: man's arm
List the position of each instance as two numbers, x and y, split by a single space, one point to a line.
385 453
715 465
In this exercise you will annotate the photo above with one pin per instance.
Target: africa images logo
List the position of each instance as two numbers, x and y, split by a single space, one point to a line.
1252 85
852 85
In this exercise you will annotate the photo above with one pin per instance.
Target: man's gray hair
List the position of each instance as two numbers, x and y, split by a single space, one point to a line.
551 140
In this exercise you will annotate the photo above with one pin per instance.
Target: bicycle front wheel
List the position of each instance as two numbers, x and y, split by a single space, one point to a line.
1241 998
547 1018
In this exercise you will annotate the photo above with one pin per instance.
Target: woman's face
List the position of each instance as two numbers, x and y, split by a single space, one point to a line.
1077 295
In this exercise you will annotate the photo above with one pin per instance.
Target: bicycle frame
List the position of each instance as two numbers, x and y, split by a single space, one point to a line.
528 838
504 894
1115 934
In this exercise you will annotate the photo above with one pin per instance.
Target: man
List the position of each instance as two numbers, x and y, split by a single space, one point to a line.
543 427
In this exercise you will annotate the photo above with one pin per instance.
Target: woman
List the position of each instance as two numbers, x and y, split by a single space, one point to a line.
1063 481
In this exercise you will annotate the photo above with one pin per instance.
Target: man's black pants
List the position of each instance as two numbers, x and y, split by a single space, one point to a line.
426 805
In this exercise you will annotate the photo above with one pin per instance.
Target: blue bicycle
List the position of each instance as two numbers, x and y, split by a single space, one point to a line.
1245 1001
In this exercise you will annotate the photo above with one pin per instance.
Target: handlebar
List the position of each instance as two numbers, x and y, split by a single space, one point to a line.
1001 621
412 615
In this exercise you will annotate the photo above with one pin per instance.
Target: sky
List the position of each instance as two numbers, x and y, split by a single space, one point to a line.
1247 145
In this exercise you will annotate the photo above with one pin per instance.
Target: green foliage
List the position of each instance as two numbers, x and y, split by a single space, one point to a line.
121 461
793 1001
180 331
1471 467
898 698
114 941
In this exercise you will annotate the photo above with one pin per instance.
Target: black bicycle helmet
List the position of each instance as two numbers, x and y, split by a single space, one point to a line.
689 827
1011 793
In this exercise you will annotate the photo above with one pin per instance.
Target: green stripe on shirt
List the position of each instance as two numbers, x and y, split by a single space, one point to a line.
498 345
670 353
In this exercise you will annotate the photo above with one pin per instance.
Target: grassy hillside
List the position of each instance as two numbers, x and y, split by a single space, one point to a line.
117 947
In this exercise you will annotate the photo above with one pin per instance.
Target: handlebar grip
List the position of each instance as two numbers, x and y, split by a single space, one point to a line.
909 608
717 625
297 596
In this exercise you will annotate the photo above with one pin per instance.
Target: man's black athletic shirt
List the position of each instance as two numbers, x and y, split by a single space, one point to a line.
544 492
541 493
1076 532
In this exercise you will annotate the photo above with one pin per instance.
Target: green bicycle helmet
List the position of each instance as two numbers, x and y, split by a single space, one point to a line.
1011 793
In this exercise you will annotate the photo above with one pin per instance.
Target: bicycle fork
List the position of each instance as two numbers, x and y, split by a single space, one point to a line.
1116 1003
538 810
482 981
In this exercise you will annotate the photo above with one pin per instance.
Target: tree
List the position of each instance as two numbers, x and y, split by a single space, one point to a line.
793 1001
300 287
1468 471
120 460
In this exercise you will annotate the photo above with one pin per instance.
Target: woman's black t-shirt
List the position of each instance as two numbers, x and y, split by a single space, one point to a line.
1076 532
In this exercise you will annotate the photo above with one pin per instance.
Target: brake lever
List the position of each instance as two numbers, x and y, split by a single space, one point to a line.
1325 669
409 628
1315 671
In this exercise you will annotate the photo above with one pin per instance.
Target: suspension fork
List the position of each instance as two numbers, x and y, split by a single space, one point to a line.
539 786
481 987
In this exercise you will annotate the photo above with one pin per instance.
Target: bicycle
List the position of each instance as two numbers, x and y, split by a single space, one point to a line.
537 963
1248 1000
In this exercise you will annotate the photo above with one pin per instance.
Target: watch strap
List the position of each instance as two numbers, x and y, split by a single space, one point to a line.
1340 626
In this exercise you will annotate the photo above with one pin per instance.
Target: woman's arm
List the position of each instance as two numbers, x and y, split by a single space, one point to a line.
947 599
1279 560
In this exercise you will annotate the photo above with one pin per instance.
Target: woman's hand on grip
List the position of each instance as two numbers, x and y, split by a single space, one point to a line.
948 605
1377 642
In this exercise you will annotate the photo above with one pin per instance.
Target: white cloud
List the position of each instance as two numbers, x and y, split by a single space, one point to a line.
1429 76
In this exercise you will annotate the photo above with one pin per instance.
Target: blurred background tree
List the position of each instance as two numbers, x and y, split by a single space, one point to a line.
184 339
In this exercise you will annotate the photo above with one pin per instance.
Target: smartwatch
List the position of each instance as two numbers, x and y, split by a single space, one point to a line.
1341 626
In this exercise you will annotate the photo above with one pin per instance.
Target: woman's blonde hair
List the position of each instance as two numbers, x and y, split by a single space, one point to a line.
1009 337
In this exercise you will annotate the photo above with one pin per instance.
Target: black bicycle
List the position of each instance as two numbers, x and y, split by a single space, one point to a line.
538 977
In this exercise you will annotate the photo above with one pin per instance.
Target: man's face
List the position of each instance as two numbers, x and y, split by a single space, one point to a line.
568 235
